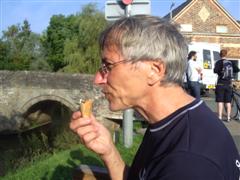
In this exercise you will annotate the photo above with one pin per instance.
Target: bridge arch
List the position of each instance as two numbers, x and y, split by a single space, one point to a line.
24 108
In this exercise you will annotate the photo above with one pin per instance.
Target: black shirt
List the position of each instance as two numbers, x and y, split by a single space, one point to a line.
190 144
218 69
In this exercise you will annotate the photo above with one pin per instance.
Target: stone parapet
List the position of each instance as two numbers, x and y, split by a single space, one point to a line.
24 94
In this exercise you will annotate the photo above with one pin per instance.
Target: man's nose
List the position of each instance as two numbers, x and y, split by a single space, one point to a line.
100 78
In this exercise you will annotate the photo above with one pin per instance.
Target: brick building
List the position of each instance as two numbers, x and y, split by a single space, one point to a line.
208 21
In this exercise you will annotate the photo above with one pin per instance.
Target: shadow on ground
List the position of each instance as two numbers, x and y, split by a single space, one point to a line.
65 172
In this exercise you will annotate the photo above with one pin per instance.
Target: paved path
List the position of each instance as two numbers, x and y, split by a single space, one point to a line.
233 126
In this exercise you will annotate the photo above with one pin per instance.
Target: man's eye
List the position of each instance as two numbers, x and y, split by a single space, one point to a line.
106 62
108 65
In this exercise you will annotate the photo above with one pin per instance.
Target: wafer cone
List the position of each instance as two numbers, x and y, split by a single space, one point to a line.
86 108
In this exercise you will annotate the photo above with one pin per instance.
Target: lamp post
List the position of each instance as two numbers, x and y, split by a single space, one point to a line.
127 3
128 113
171 7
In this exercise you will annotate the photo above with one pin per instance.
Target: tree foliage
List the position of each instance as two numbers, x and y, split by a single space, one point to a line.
72 41
20 48
57 33
91 24
69 44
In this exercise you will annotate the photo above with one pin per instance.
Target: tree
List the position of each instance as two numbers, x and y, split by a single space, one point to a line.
57 33
81 52
23 48
73 56
4 55
39 61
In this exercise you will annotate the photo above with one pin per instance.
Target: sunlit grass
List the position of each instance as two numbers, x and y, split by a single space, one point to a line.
60 165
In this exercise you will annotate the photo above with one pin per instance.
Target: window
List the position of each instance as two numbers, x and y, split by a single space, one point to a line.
221 29
216 56
186 27
235 75
207 64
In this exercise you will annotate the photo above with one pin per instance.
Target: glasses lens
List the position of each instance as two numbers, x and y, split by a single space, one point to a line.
107 67
103 69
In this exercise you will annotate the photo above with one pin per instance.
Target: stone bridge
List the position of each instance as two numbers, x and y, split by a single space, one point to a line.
30 98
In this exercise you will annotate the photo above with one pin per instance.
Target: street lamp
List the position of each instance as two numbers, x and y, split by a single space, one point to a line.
127 3
171 7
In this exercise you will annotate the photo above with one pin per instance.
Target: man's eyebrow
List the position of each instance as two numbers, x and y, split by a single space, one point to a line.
105 60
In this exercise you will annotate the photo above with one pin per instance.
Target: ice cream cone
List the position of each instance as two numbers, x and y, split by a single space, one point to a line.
86 108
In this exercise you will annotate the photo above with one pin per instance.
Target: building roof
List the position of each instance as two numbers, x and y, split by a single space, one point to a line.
185 5
178 9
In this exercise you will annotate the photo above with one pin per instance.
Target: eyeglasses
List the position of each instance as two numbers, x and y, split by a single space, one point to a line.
107 67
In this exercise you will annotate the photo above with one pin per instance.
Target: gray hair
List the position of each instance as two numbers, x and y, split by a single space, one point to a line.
144 37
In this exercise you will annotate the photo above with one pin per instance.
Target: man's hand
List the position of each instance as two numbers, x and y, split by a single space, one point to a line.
199 70
92 134
97 138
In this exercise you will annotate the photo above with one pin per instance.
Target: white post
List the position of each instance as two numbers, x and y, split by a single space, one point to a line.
128 127
128 113
128 10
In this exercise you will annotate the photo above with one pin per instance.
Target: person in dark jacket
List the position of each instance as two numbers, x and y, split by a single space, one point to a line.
223 91
143 62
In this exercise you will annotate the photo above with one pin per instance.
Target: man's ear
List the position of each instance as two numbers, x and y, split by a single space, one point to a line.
157 73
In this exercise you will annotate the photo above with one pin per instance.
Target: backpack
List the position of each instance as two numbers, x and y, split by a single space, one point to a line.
227 71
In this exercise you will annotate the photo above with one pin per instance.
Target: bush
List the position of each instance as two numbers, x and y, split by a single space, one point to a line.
64 140
32 147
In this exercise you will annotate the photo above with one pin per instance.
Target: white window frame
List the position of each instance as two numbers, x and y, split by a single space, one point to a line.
221 29
186 27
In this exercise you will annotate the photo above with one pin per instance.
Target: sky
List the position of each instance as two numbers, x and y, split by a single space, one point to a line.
39 12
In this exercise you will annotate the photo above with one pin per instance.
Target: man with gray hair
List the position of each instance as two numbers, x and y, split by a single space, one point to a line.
143 63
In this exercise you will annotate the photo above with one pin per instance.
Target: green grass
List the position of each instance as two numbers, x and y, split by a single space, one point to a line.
60 165
57 166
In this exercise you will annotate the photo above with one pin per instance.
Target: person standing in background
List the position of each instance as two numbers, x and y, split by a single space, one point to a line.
194 75
225 69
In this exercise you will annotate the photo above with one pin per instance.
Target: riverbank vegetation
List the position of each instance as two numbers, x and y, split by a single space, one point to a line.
39 159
